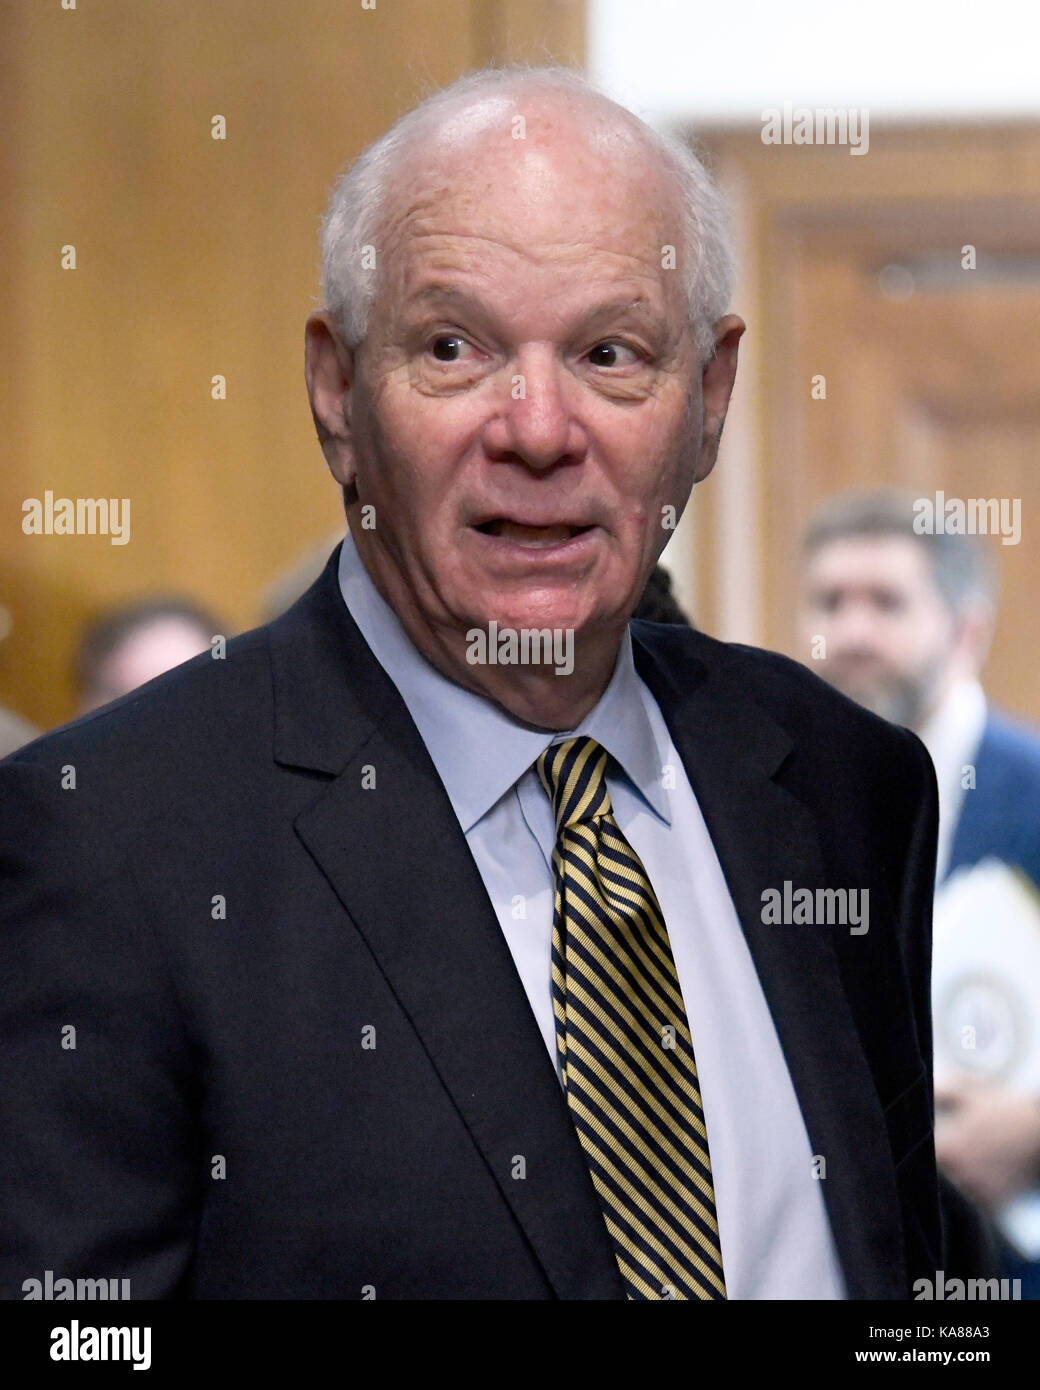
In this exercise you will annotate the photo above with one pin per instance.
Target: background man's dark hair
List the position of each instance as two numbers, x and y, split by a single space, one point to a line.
962 566
659 604
108 632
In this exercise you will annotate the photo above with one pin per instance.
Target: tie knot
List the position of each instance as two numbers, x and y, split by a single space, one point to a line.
574 775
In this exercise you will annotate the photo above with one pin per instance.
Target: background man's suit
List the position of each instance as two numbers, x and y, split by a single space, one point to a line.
348 908
1000 816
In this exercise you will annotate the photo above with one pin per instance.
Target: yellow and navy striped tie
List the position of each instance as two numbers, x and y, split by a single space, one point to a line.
624 1047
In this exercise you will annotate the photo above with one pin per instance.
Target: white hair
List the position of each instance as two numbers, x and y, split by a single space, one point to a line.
359 196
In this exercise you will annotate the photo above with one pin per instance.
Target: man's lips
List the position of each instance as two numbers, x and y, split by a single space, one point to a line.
535 534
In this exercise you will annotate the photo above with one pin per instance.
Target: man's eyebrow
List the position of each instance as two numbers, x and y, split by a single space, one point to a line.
637 306
436 290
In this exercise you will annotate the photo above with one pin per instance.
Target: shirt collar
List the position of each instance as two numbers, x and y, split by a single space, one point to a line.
954 731
478 749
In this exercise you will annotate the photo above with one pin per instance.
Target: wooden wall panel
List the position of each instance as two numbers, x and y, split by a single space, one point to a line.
195 257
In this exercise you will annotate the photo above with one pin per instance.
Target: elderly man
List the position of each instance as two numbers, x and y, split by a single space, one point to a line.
451 938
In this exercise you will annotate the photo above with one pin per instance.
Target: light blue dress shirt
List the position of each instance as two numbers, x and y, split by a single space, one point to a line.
773 1226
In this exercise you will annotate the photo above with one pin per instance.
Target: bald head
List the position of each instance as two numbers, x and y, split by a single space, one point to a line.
528 105
523 123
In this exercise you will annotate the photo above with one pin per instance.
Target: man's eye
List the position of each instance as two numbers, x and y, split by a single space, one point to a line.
448 347
611 354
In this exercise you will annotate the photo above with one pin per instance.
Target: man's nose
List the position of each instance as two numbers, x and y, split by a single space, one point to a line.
853 627
536 424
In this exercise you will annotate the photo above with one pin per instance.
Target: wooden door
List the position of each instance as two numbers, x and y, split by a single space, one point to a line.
856 270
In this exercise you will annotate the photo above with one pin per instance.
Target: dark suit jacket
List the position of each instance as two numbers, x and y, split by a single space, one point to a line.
203 1037
1000 815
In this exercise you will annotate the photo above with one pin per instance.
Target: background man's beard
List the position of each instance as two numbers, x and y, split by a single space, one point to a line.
899 699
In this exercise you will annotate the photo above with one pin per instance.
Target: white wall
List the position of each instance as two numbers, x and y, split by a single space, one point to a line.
727 60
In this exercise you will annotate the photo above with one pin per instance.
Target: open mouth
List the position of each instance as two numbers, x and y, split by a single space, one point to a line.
554 534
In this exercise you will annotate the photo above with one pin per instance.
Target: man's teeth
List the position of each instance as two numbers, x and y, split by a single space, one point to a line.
532 535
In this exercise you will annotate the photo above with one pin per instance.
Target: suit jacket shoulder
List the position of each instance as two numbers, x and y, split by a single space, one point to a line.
1000 815
863 754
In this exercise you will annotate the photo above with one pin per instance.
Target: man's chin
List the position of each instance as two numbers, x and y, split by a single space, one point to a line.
589 631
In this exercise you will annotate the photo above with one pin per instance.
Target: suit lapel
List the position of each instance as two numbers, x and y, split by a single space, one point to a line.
421 906
731 750
400 865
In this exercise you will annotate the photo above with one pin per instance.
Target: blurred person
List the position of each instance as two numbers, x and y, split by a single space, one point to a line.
127 646
292 582
411 973
15 732
905 620
658 603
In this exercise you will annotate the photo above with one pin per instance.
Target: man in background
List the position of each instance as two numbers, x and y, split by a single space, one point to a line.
127 646
901 622
15 731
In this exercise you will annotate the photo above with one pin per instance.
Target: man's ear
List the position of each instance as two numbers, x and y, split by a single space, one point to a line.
716 386
329 369
972 635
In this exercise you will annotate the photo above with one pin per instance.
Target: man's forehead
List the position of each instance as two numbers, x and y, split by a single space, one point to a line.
550 196
883 559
